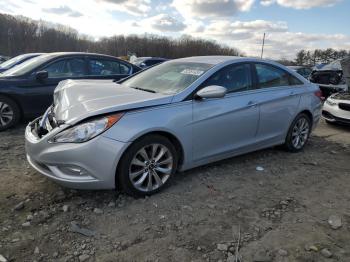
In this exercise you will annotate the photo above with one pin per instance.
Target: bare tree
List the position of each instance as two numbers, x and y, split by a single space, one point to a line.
22 35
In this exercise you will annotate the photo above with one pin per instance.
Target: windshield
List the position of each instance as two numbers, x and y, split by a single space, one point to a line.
167 78
27 66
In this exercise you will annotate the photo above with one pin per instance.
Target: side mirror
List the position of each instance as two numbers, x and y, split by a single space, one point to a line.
212 92
41 75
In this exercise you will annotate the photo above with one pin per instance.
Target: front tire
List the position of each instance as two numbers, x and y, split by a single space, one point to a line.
147 166
298 133
9 113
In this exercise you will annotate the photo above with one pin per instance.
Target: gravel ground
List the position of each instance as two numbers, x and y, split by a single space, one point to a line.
295 209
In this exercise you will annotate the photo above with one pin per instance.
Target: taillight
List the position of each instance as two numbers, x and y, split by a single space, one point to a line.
319 95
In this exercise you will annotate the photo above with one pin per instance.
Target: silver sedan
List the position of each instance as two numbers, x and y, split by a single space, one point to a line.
135 134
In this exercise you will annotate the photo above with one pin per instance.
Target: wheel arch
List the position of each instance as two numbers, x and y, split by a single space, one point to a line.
170 136
309 114
15 101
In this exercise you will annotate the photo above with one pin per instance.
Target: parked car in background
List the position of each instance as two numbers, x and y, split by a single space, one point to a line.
302 70
184 113
144 62
336 109
17 60
26 90
3 58
330 78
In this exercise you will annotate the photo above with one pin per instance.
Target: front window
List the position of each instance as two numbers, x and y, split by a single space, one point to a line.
74 67
235 78
168 78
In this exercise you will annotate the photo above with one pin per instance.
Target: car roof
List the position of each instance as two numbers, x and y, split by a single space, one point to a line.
150 58
216 60
57 54
298 67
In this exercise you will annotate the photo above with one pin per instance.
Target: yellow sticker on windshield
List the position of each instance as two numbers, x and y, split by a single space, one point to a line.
193 72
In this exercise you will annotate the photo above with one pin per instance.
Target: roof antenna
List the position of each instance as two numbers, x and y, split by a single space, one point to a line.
263 45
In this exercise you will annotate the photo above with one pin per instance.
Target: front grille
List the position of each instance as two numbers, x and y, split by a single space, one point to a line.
329 116
344 106
49 122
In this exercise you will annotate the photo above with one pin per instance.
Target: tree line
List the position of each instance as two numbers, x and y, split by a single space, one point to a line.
20 35
318 56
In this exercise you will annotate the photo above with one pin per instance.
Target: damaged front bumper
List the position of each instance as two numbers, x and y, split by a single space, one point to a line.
88 165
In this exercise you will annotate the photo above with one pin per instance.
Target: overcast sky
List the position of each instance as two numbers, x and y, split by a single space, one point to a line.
290 25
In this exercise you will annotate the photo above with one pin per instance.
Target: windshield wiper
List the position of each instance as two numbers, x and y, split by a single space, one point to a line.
144 89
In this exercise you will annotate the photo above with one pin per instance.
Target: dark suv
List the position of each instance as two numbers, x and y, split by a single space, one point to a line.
144 62
26 90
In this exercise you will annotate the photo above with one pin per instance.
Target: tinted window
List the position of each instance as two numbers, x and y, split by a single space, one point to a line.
152 62
293 81
269 76
235 78
124 69
107 67
74 67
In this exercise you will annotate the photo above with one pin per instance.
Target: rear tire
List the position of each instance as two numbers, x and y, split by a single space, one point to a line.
147 166
10 113
298 133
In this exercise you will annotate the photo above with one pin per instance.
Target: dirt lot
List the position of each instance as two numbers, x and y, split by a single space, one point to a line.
278 214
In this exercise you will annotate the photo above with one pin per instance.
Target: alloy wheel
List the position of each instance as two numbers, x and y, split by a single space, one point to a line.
6 114
151 167
300 133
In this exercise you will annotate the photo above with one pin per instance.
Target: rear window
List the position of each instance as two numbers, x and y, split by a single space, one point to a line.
270 76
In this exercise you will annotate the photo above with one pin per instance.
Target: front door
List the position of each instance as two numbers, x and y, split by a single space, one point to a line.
39 95
222 126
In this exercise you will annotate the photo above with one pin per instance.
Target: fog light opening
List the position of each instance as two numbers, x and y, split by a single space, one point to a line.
73 171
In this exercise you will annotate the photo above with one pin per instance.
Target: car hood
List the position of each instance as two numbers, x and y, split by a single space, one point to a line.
75 100
344 96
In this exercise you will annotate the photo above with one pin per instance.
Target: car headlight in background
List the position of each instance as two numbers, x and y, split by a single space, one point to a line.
86 130
331 103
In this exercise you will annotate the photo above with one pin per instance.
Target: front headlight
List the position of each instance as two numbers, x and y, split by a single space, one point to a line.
331 103
86 130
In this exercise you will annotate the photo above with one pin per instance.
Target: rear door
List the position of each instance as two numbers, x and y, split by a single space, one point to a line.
104 68
223 125
279 97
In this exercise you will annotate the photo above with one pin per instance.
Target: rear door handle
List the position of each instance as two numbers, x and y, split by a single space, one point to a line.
252 103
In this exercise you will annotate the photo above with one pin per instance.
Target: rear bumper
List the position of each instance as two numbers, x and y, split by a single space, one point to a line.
89 165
